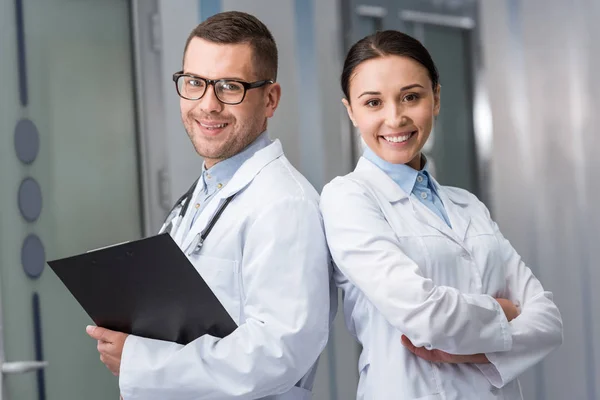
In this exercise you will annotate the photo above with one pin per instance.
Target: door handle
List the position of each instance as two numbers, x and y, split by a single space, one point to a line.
21 367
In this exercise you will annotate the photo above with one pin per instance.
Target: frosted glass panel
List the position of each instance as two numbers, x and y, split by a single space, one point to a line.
81 92
81 100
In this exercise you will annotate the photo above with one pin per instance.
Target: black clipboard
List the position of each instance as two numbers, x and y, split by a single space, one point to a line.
146 287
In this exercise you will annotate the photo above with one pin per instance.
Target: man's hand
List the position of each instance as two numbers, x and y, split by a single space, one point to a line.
510 309
438 356
110 346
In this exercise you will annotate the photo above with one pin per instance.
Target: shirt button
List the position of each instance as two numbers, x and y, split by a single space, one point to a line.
423 195
208 176
419 179
219 186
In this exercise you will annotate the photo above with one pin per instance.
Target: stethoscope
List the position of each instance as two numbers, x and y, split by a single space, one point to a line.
173 221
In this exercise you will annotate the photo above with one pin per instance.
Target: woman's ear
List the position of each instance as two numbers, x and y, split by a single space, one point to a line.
436 100
349 111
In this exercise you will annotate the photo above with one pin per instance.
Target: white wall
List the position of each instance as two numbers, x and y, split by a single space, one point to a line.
541 58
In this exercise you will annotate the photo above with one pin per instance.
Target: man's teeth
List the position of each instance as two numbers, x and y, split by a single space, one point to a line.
213 126
397 139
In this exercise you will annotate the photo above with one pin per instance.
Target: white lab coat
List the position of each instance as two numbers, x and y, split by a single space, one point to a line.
266 260
404 271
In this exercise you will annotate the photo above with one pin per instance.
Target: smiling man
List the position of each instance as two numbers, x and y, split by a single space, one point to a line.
272 277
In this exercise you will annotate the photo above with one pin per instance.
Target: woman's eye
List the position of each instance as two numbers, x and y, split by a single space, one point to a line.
373 103
411 97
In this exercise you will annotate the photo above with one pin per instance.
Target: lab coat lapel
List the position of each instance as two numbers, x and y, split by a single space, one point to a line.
459 218
240 180
374 177
378 181
428 217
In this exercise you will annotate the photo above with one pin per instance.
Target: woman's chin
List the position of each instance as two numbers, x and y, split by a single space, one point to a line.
397 157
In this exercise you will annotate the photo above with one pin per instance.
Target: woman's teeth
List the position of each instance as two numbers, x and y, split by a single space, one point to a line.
398 139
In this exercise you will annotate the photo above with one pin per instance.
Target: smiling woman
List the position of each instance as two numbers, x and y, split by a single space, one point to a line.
392 94
441 302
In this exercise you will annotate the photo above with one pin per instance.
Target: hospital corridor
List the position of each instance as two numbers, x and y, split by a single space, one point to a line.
93 152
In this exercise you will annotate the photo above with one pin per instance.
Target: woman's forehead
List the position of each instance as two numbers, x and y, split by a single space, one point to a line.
388 72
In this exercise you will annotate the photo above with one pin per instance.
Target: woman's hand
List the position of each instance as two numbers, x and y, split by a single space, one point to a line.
510 309
438 356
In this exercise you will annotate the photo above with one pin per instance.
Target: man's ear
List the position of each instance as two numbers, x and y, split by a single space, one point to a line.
273 95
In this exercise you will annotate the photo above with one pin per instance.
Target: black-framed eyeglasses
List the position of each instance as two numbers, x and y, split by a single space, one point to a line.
228 91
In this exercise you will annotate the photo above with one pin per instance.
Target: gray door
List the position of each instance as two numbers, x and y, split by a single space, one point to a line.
452 147
69 182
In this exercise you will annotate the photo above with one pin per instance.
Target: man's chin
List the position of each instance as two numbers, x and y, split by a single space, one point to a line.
209 153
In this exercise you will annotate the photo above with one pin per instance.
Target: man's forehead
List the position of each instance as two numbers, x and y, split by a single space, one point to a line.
215 60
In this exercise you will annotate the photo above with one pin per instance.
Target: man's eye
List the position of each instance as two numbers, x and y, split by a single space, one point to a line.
231 86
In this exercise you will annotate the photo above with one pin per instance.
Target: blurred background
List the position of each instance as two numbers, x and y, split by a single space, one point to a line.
92 152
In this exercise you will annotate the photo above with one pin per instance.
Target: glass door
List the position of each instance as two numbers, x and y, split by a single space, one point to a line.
69 178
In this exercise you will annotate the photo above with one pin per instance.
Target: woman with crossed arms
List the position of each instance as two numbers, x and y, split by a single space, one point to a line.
440 301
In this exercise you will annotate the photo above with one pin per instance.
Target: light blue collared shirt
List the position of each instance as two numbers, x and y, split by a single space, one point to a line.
412 182
216 177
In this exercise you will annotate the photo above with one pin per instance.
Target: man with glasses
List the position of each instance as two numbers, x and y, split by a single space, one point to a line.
266 257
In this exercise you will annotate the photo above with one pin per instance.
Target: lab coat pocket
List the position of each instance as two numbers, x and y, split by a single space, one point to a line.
222 276
488 259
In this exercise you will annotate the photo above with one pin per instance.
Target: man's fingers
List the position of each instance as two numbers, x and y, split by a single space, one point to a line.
108 360
112 363
99 333
105 347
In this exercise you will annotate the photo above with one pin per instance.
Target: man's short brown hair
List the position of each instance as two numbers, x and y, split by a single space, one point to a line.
235 27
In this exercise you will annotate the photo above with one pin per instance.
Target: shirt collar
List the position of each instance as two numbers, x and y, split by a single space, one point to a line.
217 176
403 175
